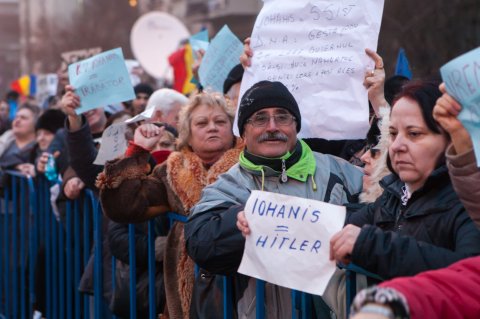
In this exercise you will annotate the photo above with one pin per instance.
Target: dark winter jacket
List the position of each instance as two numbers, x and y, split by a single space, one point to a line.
82 153
431 231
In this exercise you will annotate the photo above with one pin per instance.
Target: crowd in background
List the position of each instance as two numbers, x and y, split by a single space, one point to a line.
413 212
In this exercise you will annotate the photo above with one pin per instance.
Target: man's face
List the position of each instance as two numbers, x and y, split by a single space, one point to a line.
171 118
139 103
270 132
24 123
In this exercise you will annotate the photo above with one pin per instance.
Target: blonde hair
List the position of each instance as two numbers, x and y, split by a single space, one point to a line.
380 170
185 114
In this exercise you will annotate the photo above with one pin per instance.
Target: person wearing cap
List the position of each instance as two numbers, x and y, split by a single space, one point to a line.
47 125
274 159
51 121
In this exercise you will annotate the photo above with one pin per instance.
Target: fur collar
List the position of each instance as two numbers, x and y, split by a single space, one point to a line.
187 176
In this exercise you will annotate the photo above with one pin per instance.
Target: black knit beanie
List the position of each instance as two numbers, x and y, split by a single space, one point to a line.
266 94
235 76
51 120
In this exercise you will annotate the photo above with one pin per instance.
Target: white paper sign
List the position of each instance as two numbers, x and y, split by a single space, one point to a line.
289 242
113 143
317 49
46 87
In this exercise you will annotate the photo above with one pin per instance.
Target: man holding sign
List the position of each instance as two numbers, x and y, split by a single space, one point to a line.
274 160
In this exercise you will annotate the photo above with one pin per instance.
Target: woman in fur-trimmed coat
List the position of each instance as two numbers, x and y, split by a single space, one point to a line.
207 148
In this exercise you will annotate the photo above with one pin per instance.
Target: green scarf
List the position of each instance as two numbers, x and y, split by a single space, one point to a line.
300 171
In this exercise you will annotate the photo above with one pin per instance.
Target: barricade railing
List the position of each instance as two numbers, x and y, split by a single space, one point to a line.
17 244
39 245
31 227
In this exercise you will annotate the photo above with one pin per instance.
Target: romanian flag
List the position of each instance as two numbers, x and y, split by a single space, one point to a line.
182 61
25 85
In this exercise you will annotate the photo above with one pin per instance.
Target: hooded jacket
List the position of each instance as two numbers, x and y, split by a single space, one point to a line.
214 241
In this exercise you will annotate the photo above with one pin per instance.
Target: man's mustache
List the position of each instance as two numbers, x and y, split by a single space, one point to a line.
272 136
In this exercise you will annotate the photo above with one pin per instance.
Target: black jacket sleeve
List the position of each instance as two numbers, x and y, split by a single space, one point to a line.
118 242
389 254
82 153
214 241
359 215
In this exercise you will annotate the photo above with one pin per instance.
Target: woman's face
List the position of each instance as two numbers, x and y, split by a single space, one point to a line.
210 130
369 159
414 148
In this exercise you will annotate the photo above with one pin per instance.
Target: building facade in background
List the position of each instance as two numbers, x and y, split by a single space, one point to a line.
9 42
34 33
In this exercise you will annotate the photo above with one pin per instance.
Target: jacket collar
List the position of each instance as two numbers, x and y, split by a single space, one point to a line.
301 163
437 180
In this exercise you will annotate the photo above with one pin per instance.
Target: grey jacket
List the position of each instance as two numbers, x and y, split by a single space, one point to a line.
215 243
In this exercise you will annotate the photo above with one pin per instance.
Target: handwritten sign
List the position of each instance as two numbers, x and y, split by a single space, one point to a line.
113 143
222 55
100 80
317 49
289 240
46 87
462 79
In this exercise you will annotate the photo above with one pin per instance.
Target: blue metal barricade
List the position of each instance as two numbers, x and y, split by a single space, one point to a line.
30 226
17 242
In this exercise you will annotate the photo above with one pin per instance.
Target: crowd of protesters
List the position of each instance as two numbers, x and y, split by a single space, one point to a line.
411 189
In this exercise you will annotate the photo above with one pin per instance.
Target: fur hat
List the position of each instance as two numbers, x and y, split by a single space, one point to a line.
266 94
235 76
51 120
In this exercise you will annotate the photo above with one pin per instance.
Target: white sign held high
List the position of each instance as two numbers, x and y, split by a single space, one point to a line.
289 243
317 49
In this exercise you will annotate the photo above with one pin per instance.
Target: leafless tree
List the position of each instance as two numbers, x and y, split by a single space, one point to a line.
431 32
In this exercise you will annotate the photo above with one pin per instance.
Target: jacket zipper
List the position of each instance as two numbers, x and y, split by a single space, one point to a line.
397 220
403 208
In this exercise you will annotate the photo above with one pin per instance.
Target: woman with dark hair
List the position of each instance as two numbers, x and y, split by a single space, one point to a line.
419 222
451 292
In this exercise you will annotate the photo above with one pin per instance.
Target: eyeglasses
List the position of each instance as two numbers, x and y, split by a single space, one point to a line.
279 119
